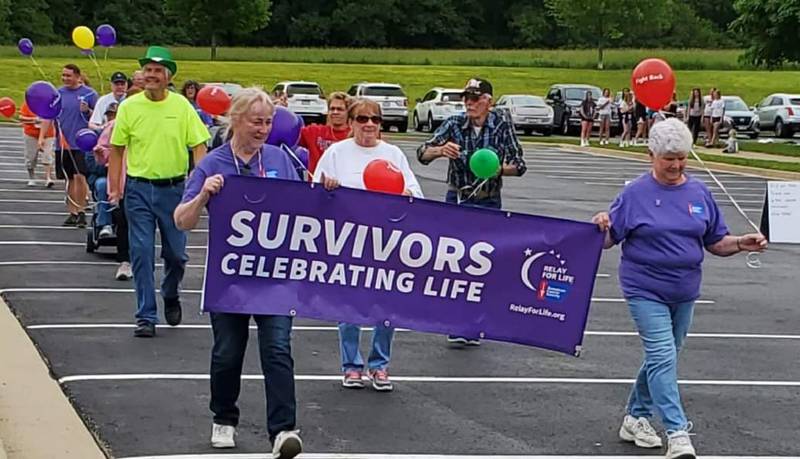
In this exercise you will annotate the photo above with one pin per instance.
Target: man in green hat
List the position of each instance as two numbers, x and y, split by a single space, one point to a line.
152 131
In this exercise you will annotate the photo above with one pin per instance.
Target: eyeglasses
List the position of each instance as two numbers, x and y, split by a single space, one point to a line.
362 119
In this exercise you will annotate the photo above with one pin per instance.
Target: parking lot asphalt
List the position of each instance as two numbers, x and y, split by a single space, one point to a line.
740 370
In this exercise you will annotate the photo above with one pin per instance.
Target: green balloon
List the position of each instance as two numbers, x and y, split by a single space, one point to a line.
484 163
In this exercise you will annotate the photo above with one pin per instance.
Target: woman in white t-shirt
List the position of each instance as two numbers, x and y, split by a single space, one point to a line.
343 164
604 104
707 114
717 115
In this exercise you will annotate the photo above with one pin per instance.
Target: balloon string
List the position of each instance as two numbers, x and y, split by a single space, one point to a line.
105 56
288 150
38 67
92 58
751 259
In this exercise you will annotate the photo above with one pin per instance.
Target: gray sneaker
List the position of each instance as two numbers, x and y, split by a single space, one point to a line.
222 436
124 272
287 445
640 432
679 445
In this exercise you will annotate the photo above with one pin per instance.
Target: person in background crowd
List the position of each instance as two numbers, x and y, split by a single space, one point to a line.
642 123
709 127
39 145
664 220
119 86
457 139
604 106
694 113
717 117
318 137
138 80
343 165
588 110
671 109
246 154
152 131
77 102
189 90
626 108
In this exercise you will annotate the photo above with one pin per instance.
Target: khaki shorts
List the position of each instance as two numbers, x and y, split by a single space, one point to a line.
33 155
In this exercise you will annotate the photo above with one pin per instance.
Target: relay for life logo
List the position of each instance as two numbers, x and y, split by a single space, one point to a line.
547 274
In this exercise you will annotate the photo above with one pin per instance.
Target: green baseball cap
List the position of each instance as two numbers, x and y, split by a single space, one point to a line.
159 55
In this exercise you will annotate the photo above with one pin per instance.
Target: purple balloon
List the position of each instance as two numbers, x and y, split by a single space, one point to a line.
302 155
86 139
87 52
106 35
25 46
285 128
44 100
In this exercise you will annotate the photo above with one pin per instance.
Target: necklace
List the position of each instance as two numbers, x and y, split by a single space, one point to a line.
236 163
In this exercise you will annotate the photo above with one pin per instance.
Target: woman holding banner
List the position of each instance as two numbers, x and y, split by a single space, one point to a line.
664 219
246 154
343 163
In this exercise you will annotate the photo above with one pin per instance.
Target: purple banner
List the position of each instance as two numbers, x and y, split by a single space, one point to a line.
290 248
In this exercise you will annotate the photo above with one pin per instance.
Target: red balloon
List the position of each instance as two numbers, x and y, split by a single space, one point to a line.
7 107
653 83
213 100
383 176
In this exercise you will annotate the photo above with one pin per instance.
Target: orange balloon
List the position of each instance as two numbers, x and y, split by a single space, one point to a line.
653 83
7 107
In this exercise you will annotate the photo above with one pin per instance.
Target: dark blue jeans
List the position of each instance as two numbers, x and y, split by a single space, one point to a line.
227 357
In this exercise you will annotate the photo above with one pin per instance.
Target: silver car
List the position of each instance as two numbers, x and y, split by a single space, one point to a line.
780 113
740 117
528 113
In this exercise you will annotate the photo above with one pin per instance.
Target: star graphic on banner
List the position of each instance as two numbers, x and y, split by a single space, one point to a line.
528 252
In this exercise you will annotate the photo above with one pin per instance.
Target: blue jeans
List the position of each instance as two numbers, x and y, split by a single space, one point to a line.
101 196
662 328
227 356
349 340
146 206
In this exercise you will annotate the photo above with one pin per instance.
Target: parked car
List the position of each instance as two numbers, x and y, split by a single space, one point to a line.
780 113
740 117
528 113
566 99
305 98
230 88
437 105
394 103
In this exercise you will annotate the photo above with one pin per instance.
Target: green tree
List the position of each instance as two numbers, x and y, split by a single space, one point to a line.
5 12
29 19
604 23
772 28
209 20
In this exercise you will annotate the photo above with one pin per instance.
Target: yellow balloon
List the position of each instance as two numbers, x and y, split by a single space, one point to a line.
83 37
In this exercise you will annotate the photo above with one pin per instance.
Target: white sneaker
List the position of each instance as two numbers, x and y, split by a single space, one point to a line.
106 231
124 272
679 445
640 432
31 182
287 445
222 436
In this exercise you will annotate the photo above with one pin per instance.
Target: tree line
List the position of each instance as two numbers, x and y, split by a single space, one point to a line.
761 26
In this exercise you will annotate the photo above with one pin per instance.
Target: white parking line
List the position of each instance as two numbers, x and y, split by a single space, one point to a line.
315 328
67 228
32 201
52 190
198 292
424 456
60 214
431 379
76 244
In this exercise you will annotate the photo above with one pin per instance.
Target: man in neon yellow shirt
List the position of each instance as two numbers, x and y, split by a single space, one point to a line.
152 131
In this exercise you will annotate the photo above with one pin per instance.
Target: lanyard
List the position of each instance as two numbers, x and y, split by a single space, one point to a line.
261 172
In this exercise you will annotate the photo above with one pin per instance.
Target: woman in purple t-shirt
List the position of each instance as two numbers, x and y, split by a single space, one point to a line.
664 220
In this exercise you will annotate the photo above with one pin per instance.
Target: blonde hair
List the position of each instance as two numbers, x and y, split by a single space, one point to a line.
339 95
241 103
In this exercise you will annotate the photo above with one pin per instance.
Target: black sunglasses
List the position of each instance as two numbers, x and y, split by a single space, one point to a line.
471 97
364 118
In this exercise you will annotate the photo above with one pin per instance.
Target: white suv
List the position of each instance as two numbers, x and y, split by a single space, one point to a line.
305 99
393 101
437 105
780 113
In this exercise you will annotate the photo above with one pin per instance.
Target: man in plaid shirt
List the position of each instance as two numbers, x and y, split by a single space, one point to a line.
458 138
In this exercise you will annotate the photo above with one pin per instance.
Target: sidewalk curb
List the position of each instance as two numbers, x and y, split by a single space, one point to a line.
37 421
714 166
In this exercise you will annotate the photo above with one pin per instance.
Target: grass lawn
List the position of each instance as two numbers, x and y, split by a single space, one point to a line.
751 85
782 149
619 59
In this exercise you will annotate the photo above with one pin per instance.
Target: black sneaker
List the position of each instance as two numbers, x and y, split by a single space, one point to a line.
81 223
172 311
145 330
72 220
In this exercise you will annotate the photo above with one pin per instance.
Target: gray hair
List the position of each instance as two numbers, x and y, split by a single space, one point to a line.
241 103
670 136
